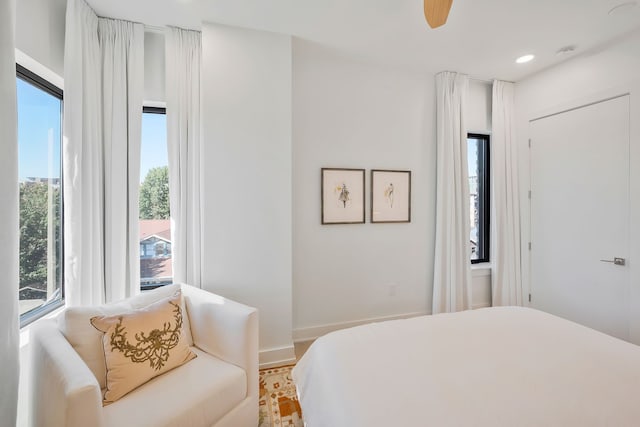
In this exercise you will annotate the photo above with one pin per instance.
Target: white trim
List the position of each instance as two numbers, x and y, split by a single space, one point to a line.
586 104
40 70
278 356
314 332
155 104
480 305
581 101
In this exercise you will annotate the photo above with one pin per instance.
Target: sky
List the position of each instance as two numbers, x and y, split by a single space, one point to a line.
472 157
39 126
38 122
153 152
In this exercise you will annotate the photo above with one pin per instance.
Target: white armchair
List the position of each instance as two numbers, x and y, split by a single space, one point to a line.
219 388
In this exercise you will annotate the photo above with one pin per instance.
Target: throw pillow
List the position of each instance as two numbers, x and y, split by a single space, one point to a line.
142 344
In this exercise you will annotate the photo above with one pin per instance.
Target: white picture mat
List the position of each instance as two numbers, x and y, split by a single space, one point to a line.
391 193
336 210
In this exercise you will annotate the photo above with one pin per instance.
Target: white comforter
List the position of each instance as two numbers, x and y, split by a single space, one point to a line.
490 367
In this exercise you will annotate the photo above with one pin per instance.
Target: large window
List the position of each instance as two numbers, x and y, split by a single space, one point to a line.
155 226
39 135
478 160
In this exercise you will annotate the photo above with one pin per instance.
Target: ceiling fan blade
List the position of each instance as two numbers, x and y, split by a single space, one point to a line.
437 11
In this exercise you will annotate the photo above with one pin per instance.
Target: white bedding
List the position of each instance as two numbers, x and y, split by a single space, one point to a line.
490 367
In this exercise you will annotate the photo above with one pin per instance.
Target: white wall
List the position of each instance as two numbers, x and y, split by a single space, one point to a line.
246 116
597 75
479 107
352 114
40 31
348 114
154 68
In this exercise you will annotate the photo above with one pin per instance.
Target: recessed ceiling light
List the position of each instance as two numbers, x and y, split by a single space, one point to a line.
622 7
524 58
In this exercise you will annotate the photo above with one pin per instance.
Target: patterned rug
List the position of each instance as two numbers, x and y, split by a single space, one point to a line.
279 405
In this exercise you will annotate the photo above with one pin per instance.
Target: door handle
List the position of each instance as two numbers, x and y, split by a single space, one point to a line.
616 261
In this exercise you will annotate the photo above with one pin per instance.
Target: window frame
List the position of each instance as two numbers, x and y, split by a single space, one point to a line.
153 110
484 199
46 86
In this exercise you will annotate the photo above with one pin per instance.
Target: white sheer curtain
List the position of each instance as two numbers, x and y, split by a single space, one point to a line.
9 223
122 49
452 265
102 120
506 274
183 58
82 159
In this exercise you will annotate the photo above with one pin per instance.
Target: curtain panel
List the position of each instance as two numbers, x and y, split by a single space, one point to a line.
452 265
183 58
104 71
122 50
9 219
506 257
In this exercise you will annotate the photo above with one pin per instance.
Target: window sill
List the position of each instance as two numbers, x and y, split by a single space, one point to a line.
41 312
481 269
25 330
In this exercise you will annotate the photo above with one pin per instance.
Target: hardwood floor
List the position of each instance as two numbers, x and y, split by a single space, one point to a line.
301 348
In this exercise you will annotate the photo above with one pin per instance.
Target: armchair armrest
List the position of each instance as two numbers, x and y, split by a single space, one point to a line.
64 391
225 329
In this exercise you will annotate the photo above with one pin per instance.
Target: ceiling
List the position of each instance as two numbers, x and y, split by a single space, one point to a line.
481 38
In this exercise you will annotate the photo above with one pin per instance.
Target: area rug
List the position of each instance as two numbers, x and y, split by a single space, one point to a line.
279 406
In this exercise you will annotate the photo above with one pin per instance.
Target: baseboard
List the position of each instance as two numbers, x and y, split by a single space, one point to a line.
278 356
309 334
481 305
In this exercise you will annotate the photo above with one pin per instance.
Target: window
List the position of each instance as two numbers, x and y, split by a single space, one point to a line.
155 226
478 160
39 134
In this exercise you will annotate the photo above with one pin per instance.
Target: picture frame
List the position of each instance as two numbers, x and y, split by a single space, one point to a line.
342 196
390 196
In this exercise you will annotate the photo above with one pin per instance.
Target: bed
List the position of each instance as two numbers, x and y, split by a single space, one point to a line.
506 366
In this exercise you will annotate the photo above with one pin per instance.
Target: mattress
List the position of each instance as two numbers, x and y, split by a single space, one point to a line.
506 366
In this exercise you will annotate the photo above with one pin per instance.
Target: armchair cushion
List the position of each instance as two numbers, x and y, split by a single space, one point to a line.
142 344
198 393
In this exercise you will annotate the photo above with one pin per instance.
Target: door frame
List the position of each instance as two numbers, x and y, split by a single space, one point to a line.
632 89
572 124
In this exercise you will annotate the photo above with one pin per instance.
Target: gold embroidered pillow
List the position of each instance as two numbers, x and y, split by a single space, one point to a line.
142 344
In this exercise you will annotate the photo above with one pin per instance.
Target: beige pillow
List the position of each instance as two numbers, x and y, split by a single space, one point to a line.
75 325
142 344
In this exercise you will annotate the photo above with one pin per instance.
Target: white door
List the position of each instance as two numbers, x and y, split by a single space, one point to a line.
580 215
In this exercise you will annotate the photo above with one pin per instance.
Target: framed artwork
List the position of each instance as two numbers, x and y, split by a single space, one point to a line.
342 196
390 196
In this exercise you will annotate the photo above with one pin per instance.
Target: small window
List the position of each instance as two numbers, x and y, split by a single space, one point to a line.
155 225
39 181
478 159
